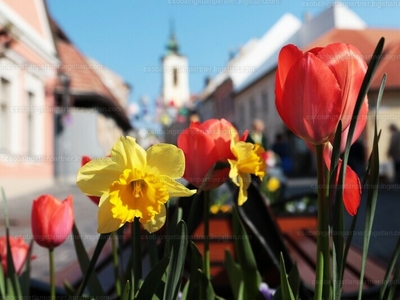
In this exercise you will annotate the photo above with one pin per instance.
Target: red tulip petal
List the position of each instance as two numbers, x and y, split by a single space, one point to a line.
312 100
200 154
287 58
360 125
348 66
315 50
220 131
352 192
61 223
85 159
52 220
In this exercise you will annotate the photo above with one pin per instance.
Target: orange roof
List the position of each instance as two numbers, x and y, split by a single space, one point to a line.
84 81
366 40
83 78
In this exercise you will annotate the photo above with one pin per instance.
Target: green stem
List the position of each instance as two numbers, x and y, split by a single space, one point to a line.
52 275
114 242
206 234
322 280
137 255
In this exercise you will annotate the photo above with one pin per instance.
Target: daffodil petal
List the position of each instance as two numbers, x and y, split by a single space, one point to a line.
96 176
106 222
128 154
244 183
168 159
233 172
176 189
158 221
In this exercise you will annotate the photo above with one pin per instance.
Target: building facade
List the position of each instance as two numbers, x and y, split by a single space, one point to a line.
337 24
28 61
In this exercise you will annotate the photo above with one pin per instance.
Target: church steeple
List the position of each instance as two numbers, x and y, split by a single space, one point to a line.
172 46
175 89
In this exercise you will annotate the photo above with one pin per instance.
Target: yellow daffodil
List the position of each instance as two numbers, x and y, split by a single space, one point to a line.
248 161
273 184
214 209
134 183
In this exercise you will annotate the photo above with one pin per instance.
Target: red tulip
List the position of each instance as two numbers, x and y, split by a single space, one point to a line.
204 145
352 188
19 252
52 220
84 161
316 89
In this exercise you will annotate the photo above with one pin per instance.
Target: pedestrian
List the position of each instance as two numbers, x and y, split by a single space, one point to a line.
394 150
257 134
282 148
356 159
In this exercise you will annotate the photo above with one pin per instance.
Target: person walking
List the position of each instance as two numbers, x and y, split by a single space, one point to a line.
394 150
257 134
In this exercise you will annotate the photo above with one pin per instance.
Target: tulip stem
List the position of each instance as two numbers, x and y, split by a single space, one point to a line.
114 241
137 255
206 234
52 275
322 281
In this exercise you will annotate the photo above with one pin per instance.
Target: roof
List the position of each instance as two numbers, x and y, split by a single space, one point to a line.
85 83
337 16
366 41
254 53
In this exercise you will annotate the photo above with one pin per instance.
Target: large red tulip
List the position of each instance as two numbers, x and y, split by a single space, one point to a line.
203 145
52 220
19 252
317 88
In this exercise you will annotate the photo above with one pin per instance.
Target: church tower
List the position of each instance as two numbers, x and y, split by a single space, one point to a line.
175 87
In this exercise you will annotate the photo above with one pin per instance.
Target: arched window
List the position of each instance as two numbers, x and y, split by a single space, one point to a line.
175 74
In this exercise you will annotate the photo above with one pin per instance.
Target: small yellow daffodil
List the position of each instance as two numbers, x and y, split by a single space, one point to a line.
248 161
134 183
273 184
214 209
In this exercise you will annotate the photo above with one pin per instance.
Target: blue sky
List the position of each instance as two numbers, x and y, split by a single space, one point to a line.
128 36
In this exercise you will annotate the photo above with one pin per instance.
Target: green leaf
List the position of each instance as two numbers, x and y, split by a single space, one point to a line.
150 284
126 291
235 276
389 269
373 184
206 289
3 291
94 285
12 281
177 261
25 278
251 276
196 264
69 289
99 247
152 249
171 229
394 286
185 291
136 244
286 290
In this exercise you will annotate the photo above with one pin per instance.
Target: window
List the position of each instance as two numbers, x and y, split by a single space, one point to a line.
264 101
4 115
29 123
253 108
175 74
241 116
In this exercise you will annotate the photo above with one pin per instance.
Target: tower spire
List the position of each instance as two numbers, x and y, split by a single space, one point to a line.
172 46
